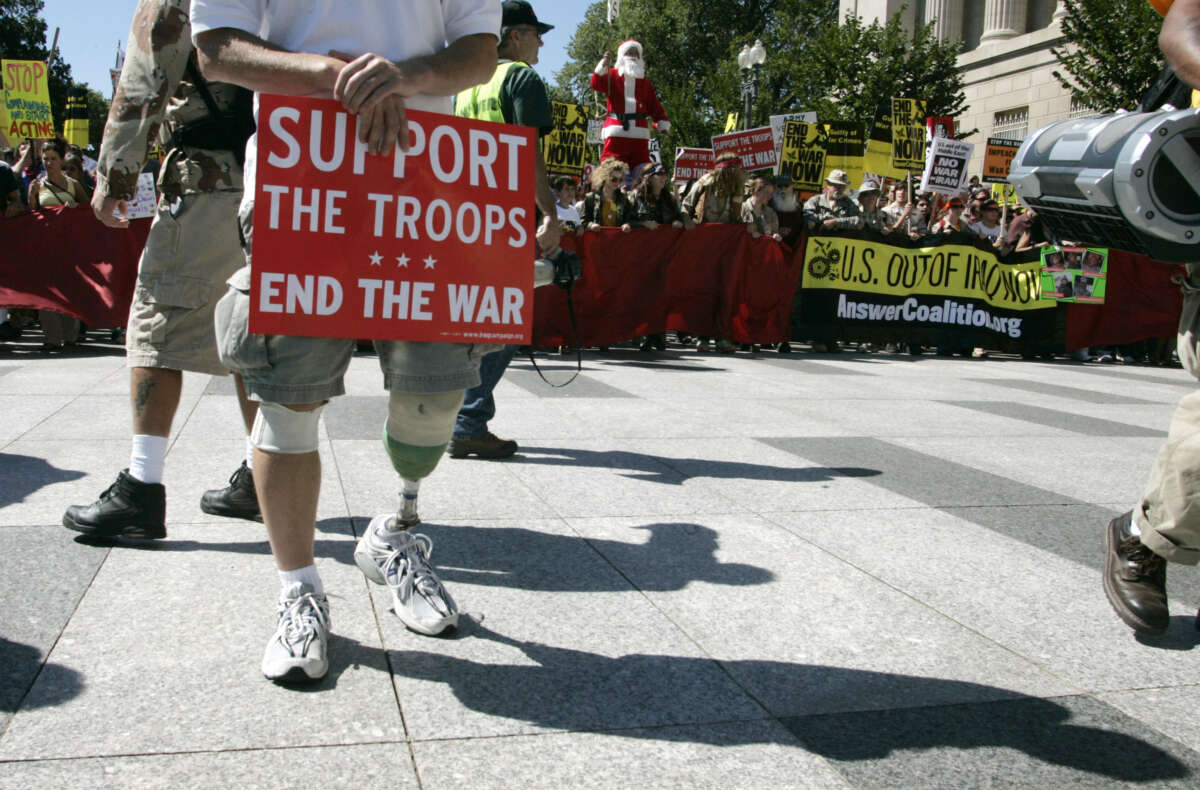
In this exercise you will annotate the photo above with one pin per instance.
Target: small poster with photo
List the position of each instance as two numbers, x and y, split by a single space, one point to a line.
1076 275
145 201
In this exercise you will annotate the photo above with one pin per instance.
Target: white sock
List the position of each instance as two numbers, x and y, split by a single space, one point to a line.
411 487
249 453
147 457
307 575
1134 529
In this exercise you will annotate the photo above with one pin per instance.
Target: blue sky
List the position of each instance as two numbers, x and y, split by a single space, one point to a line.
90 30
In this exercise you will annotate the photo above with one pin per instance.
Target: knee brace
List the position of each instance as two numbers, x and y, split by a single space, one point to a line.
418 429
278 429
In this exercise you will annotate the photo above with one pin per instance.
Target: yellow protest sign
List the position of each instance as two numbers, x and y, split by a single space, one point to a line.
26 110
844 149
75 125
731 122
908 134
955 271
566 149
803 155
878 158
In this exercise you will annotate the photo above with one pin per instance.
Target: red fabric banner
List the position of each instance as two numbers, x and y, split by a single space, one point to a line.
65 260
714 280
1140 302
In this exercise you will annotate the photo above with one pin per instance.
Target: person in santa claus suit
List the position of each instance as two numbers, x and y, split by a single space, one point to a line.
632 105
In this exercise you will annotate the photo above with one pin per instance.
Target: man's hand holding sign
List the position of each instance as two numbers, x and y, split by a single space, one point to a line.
430 242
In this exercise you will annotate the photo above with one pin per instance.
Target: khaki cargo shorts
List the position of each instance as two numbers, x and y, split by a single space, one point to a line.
289 369
192 249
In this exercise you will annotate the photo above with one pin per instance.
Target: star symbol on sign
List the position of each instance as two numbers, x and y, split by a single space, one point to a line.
375 258
430 261
402 261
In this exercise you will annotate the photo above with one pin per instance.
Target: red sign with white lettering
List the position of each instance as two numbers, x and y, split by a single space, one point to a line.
756 147
691 163
434 244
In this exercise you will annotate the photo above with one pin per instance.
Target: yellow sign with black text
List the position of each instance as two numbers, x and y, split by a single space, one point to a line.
803 155
908 134
565 149
945 270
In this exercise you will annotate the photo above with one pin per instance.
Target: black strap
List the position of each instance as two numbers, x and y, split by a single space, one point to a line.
578 349
201 85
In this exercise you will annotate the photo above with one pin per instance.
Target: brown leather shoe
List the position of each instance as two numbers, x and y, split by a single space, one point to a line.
1135 579
487 446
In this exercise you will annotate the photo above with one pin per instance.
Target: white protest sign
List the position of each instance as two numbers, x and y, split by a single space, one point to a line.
946 166
594 130
144 202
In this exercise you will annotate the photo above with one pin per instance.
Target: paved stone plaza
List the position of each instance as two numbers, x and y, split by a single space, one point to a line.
701 571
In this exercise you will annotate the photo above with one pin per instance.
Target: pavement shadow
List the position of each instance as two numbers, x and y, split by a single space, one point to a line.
1182 634
25 474
674 471
23 664
575 690
676 555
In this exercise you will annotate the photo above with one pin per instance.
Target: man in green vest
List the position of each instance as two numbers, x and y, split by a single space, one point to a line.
515 94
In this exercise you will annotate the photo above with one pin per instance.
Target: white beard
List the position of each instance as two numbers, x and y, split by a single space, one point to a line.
631 67
785 203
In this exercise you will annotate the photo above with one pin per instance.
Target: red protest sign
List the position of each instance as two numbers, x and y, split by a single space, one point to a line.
432 244
691 163
755 147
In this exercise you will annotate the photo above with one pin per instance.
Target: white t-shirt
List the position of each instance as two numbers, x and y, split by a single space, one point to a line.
396 30
568 215
991 234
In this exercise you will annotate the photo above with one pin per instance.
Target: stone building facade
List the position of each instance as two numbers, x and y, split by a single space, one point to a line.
1006 62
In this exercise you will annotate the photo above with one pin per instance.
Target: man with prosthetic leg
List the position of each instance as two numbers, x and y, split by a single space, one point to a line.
403 56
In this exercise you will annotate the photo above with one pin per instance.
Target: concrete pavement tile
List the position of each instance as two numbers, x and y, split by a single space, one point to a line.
457 489
212 417
1046 608
610 477
716 756
168 643
1058 419
42 478
93 417
1172 710
1059 394
1065 742
53 377
1083 469
351 767
805 632
23 413
42 577
926 418
761 478
757 416
552 638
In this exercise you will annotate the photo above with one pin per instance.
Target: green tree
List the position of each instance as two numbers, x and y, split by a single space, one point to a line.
23 37
813 63
1113 57
97 107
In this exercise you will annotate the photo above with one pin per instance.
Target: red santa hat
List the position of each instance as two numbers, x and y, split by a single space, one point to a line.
623 50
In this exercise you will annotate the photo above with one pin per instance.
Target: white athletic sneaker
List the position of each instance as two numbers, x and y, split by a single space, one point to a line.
299 650
401 561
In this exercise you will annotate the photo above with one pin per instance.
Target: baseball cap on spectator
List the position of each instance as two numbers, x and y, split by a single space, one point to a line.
990 205
955 203
654 169
838 178
783 180
519 12
868 186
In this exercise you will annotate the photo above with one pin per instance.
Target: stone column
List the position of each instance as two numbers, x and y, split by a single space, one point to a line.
1060 11
1003 19
946 16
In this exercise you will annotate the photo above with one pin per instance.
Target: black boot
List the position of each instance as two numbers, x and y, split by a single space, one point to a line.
1135 579
236 500
128 508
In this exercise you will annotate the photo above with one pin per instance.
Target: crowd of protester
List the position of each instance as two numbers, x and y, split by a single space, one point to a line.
52 173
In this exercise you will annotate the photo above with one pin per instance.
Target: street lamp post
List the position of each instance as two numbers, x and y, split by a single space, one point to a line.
750 61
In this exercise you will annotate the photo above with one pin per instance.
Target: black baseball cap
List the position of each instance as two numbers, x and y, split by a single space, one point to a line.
519 12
